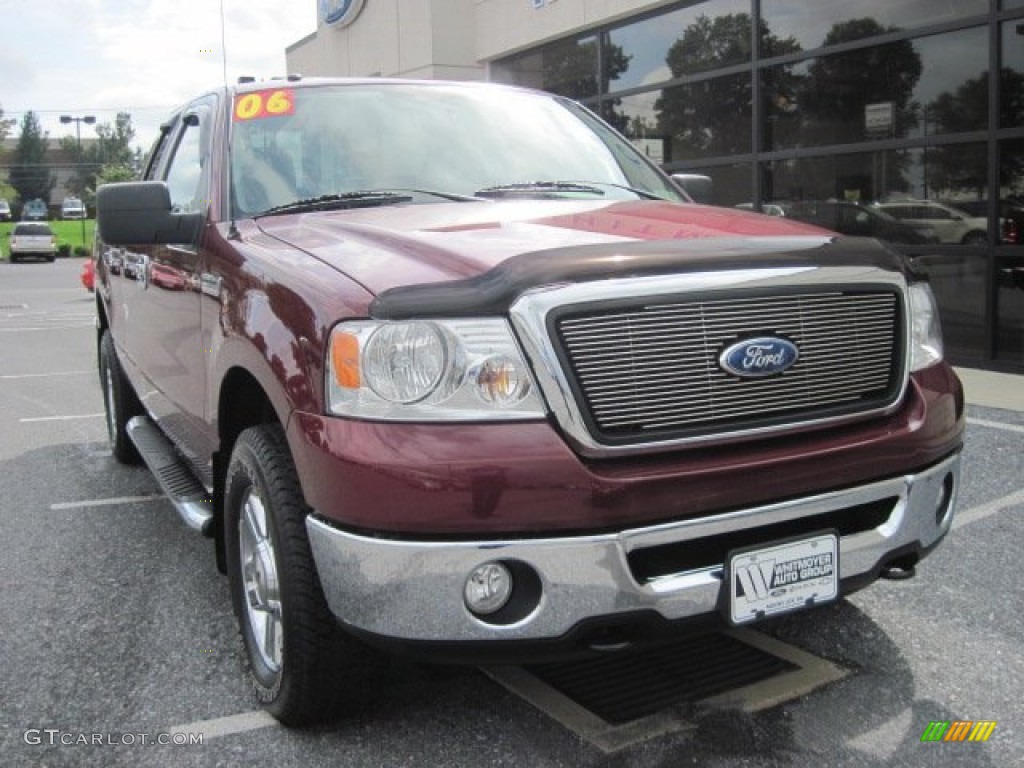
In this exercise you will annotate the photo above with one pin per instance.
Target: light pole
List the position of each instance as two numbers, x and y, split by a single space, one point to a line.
88 120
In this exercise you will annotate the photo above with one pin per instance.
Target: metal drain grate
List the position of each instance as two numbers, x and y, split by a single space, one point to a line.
631 685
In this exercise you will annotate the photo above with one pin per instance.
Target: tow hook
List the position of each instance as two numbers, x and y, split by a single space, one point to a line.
897 572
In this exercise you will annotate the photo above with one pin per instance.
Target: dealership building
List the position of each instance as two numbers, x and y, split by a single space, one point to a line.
914 108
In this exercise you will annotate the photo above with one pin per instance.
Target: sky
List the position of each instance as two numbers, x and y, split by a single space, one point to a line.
144 57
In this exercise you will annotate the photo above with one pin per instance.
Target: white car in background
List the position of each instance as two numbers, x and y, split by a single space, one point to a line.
72 208
950 225
33 240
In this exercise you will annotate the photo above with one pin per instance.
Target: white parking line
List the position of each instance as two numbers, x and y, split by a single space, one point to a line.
226 726
34 419
104 502
44 375
883 741
982 511
996 425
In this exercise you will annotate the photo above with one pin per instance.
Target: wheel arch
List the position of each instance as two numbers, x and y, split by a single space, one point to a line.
242 402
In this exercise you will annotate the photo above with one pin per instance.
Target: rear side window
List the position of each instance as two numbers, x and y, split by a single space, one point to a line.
28 230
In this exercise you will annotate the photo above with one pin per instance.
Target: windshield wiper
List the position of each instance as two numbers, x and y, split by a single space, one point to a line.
362 199
638 192
543 188
453 196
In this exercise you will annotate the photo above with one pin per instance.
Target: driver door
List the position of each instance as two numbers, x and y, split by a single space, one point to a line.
164 331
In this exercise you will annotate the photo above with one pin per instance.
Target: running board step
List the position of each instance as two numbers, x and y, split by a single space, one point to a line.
176 480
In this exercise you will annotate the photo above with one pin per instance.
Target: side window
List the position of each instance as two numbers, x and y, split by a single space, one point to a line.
185 174
159 150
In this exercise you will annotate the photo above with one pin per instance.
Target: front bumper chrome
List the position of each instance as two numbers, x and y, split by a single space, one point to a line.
412 590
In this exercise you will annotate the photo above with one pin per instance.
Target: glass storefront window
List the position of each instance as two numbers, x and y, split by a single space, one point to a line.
1011 187
958 280
1011 83
789 23
1010 309
932 85
918 197
940 192
1010 264
681 42
685 122
567 67
840 104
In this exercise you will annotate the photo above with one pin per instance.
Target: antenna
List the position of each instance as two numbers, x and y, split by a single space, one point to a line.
232 229
223 45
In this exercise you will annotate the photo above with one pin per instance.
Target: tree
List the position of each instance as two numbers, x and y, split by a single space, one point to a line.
5 125
706 118
1011 112
29 174
840 86
111 148
110 174
570 67
959 167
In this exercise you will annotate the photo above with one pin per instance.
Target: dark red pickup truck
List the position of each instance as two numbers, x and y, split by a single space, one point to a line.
453 369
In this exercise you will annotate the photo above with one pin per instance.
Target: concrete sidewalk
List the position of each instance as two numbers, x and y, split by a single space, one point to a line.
993 390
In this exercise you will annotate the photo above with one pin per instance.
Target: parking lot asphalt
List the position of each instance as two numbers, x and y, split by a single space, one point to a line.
117 629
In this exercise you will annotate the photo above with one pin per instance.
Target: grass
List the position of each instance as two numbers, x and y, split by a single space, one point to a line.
69 232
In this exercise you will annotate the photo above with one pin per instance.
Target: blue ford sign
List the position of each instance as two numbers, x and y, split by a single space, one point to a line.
340 13
761 356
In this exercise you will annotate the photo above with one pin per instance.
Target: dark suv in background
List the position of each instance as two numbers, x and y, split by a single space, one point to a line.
859 221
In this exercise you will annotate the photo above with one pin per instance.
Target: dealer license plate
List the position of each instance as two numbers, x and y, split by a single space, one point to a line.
782 577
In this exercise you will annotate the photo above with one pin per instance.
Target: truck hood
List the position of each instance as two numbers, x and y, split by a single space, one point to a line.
391 247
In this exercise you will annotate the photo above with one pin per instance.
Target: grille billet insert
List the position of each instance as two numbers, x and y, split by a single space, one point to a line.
650 371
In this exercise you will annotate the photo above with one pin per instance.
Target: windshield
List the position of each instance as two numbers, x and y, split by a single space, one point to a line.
33 230
438 139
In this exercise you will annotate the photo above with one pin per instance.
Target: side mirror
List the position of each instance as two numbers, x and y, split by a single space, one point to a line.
140 213
700 188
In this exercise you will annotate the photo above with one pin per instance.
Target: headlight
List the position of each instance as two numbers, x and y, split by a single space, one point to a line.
450 370
407 362
926 333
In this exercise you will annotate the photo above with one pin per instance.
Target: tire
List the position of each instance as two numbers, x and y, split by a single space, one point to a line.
120 402
302 666
975 238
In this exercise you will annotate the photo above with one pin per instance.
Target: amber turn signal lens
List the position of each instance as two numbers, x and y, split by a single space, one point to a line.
345 360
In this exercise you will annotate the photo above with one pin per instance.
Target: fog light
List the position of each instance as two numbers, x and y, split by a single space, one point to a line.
488 588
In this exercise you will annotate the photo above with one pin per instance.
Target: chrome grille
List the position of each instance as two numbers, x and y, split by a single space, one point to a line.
652 370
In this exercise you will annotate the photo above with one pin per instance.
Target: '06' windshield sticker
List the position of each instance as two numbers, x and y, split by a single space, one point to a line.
259 104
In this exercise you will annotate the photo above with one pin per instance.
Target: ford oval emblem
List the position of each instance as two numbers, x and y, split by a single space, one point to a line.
340 13
761 356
